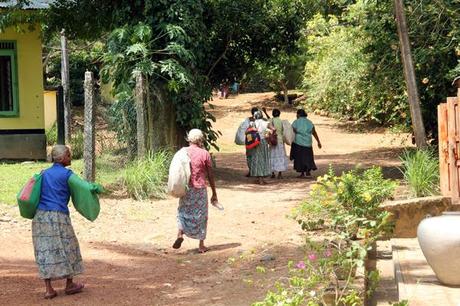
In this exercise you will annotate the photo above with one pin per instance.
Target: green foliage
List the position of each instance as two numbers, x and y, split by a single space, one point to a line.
83 56
51 135
146 178
421 172
354 67
349 205
122 120
77 144
324 277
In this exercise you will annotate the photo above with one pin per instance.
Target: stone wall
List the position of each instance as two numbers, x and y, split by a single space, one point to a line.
407 214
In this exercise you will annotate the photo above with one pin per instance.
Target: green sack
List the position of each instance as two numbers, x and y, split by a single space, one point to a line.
84 197
29 196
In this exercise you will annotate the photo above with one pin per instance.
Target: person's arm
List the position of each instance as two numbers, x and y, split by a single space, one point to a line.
313 132
265 112
212 183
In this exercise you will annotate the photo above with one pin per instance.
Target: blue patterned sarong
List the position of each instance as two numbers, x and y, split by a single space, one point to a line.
192 214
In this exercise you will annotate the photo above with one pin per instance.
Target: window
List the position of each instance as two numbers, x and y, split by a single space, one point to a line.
9 106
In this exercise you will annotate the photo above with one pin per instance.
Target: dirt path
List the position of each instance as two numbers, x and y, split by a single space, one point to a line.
127 251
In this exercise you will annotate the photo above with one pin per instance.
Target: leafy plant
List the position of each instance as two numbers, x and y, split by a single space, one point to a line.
421 172
348 205
51 135
77 144
146 178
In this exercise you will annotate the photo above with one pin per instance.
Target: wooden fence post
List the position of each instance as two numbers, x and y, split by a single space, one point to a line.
141 104
443 149
453 148
89 150
65 81
409 74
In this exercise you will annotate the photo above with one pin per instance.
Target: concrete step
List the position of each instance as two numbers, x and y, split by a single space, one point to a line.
387 291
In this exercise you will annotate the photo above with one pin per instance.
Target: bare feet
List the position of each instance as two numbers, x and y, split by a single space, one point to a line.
273 175
280 176
203 249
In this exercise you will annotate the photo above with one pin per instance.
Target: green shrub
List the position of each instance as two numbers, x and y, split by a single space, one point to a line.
421 172
76 144
146 178
349 204
51 135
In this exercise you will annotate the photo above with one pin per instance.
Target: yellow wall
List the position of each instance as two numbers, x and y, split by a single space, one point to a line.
30 81
50 108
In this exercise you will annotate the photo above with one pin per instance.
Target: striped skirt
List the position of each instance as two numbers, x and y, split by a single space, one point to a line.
260 160
192 214
57 252
278 159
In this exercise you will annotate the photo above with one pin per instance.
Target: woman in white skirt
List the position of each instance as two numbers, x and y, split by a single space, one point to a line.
278 158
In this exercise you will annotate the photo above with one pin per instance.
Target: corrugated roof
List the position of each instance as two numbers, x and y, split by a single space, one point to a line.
38 4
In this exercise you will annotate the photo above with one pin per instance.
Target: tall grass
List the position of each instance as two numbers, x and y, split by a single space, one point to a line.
421 172
76 144
146 178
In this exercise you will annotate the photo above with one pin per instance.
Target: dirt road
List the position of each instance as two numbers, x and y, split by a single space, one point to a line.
127 251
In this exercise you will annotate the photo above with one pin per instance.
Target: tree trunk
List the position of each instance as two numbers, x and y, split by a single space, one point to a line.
163 131
285 91
65 81
409 74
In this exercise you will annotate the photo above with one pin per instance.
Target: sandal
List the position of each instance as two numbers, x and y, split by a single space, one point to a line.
49 296
178 243
76 289
204 250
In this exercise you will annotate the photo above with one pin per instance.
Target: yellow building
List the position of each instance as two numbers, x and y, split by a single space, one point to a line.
22 120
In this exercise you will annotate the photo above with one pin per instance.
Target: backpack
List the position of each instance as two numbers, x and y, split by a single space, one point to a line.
273 138
252 138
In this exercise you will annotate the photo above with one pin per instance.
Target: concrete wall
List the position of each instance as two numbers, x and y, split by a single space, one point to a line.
30 81
50 108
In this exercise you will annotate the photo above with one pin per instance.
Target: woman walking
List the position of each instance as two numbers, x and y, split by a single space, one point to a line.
192 214
301 149
56 247
278 158
260 155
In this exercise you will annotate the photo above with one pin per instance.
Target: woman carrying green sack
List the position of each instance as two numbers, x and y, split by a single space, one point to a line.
56 247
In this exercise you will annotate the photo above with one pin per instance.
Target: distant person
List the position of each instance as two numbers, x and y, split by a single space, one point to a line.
278 159
301 149
259 165
235 87
192 214
56 247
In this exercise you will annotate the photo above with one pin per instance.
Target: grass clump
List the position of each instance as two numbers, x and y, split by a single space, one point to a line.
421 172
146 178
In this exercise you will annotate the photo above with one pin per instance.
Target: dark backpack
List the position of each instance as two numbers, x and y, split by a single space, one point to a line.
252 138
273 138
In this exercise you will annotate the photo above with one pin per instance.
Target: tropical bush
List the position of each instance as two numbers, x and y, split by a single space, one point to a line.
146 178
421 172
345 211
349 204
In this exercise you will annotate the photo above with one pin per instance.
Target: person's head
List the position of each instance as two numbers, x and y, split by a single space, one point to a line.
195 136
301 113
276 112
258 115
253 110
61 154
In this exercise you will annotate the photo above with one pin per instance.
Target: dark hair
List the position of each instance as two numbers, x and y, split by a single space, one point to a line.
301 113
276 112
253 110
